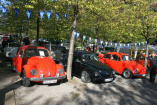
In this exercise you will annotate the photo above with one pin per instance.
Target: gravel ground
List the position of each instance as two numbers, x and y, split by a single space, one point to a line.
122 91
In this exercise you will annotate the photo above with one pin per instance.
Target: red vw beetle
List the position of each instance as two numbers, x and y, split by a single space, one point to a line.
141 58
34 63
121 63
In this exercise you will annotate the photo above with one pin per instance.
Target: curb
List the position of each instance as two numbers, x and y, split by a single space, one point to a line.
9 98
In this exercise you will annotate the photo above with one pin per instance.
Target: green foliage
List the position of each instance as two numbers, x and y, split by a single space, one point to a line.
113 20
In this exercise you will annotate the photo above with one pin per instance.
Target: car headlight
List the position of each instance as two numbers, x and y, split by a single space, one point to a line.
33 72
136 71
60 71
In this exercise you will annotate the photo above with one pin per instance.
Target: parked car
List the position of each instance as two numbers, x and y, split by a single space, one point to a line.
55 53
109 49
34 63
141 58
88 68
10 51
121 63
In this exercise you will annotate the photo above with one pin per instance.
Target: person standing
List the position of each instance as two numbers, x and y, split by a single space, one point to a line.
153 66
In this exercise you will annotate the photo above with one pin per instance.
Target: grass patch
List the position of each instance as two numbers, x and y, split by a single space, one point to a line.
74 81
75 95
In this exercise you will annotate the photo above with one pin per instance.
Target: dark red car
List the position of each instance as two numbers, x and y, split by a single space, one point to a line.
34 63
122 64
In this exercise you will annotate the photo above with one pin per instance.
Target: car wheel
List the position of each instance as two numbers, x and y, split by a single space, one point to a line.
127 74
85 77
25 81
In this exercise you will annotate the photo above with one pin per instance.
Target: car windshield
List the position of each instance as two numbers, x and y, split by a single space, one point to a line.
125 58
37 52
89 57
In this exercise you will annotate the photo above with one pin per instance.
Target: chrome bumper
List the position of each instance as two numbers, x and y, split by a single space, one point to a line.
140 75
48 78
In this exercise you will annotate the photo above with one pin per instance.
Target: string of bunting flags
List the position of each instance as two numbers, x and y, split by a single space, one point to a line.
28 12
76 34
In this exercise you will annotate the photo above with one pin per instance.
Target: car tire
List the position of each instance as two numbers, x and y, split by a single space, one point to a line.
85 77
127 74
25 81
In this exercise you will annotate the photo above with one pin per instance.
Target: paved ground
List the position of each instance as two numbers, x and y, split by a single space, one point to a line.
122 91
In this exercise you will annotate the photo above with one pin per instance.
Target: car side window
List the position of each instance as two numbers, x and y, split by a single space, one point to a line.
75 56
115 57
107 56
22 52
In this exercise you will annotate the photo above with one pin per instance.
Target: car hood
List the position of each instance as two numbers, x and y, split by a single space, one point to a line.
98 65
134 65
43 65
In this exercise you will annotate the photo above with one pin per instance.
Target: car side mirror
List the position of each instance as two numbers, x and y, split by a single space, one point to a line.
77 60
21 56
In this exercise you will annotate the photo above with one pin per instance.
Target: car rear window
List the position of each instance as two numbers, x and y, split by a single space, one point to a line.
37 52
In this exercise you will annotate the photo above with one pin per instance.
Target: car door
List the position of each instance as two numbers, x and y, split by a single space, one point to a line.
115 63
19 60
107 59
140 60
76 64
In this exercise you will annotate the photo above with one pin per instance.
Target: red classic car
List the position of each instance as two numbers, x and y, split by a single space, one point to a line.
34 63
121 63
141 58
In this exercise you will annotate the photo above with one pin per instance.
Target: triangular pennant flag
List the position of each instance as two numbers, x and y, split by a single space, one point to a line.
74 33
48 15
16 11
135 44
78 35
84 37
96 41
3 10
146 42
139 44
115 44
120 45
101 42
106 43
41 14
28 12
65 16
90 39
57 15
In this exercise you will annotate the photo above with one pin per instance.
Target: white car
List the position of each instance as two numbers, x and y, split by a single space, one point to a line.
10 50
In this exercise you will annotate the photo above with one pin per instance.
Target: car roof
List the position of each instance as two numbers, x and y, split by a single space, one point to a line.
83 52
118 53
31 47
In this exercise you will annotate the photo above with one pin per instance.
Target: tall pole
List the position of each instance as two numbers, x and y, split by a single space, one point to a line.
72 41
38 27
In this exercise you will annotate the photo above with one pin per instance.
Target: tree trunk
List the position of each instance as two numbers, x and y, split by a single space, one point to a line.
72 41
38 27
147 50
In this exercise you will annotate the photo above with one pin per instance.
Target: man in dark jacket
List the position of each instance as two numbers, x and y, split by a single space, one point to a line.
153 66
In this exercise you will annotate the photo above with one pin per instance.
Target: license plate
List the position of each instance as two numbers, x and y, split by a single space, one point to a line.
108 80
49 81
